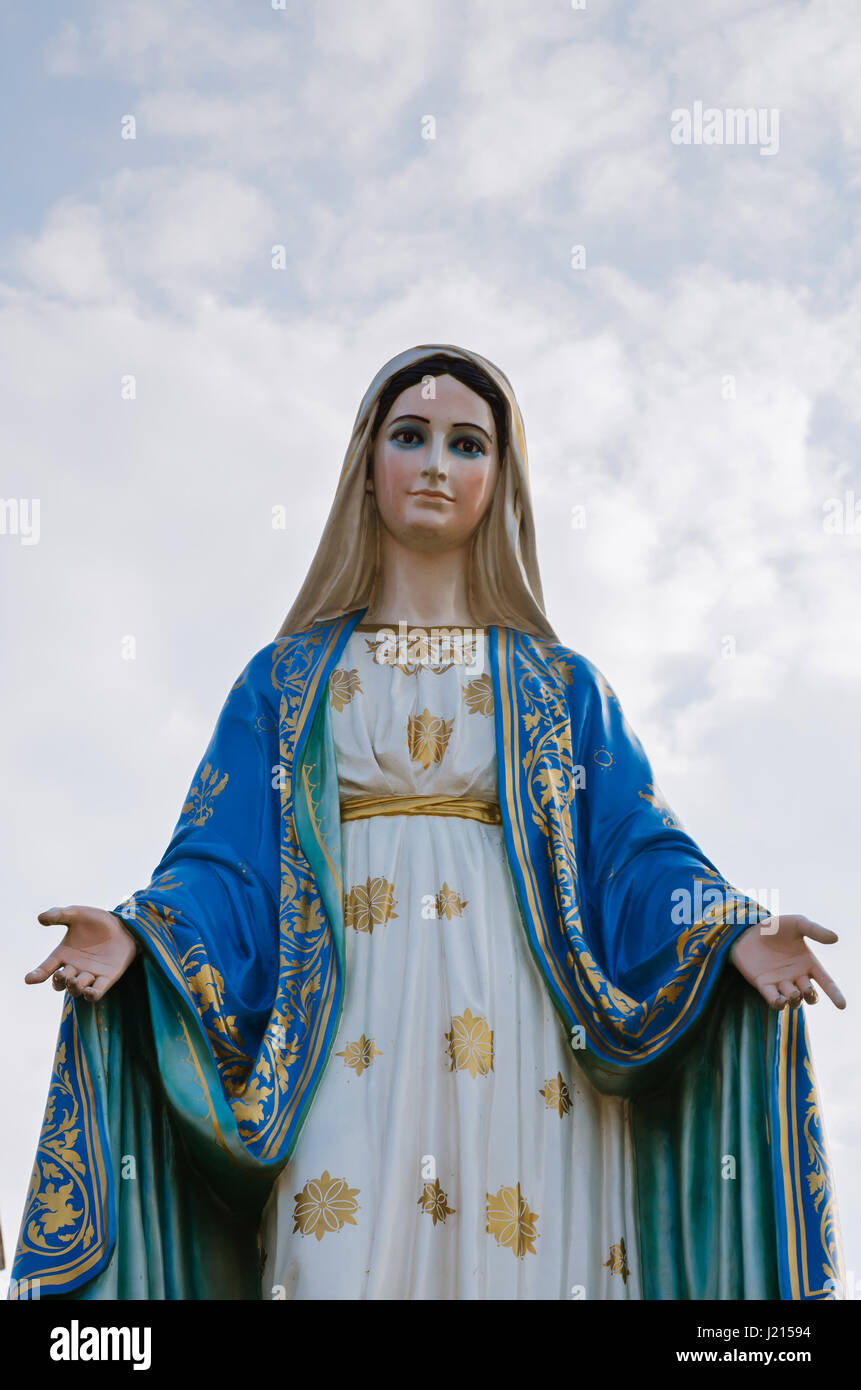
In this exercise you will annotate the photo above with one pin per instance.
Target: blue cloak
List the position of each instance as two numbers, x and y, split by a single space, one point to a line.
175 1102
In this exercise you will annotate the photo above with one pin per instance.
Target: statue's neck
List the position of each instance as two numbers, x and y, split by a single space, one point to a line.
421 588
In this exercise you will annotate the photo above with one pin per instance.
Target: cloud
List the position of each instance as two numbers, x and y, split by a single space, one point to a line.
150 230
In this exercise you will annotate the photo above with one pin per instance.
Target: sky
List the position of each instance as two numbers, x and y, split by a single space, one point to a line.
220 219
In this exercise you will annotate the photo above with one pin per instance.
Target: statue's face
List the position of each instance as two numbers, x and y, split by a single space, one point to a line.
435 466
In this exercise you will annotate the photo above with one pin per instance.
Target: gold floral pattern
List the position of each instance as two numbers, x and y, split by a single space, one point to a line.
421 653
360 1055
59 1213
325 1205
343 685
479 695
249 1102
427 737
370 904
819 1184
618 1261
448 903
470 1044
207 987
202 794
729 908
511 1222
556 1095
57 1210
434 1202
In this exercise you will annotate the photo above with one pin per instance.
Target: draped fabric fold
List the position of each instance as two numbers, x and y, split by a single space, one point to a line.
202 1065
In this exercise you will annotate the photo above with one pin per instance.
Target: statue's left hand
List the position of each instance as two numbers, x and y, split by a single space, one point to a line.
780 964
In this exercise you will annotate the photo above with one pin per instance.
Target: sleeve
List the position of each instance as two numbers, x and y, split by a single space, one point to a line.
658 916
209 916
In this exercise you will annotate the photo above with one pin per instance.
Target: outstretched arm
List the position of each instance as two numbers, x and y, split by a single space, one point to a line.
220 870
644 871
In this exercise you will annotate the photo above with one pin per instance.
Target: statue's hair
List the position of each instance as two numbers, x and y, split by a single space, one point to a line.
504 585
463 371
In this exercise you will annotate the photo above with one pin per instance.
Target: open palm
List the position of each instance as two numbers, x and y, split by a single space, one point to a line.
96 950
780 964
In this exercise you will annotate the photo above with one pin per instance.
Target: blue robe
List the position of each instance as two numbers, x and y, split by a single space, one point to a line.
176 1100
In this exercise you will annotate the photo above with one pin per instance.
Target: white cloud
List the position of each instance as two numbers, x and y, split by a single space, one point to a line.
151 231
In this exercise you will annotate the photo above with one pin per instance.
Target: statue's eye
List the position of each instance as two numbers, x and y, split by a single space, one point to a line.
468 444
407 437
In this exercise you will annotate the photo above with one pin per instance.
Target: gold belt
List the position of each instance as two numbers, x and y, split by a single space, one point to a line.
470 808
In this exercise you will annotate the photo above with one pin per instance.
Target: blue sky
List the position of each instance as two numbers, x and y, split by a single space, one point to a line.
695 387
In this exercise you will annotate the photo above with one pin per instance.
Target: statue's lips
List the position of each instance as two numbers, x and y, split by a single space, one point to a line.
442 496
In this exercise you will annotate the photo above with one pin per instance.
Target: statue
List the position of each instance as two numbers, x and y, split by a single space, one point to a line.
431 995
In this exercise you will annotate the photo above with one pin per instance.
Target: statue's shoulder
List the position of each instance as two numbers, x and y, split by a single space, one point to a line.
255 681
278 660
295 656
570 666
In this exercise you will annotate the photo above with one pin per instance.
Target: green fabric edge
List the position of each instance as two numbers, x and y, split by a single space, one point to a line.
186 1228
707 1227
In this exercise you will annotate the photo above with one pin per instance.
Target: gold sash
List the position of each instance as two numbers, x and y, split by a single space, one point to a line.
470 808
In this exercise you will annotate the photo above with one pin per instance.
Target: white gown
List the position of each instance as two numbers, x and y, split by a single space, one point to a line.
454 1149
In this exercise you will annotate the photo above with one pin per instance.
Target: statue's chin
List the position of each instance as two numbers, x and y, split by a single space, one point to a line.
427 539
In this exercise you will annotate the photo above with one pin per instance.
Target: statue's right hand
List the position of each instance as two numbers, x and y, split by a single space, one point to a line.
96 950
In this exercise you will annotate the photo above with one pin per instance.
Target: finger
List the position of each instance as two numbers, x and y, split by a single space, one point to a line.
63 976
57 916
805 984
772 996
77 986
48 966
94 992
791 992
820 933
824 979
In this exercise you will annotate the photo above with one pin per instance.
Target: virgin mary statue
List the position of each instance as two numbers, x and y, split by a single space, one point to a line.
431 995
